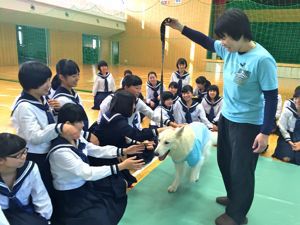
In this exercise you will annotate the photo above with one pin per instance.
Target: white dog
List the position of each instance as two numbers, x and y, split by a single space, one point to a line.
189 144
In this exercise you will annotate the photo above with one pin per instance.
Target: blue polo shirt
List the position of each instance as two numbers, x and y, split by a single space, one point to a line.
245 77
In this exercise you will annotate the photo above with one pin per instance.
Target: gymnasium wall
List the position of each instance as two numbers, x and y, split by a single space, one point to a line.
8 47
65 44
105 49
142 47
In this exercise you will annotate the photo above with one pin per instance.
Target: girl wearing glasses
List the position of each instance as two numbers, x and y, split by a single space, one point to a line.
23 196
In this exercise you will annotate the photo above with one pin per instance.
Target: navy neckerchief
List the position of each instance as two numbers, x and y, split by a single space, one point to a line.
61 142
170 112
211 115
25 97
61 91
188 111
155 89
180 79
105 80
14 202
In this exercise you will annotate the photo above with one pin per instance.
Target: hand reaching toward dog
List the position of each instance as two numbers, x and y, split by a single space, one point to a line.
149 145
131 164
133 149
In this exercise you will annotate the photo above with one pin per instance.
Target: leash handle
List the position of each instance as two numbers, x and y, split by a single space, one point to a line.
162 38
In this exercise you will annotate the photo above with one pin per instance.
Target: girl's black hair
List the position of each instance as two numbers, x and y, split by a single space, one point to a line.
213 88
59 65
122 103
127 72
202 80
10 144
234 23
33 74
173 84
132 80
181 61
187 88
72 113
55 82
69 68
165 96
100 64
152 72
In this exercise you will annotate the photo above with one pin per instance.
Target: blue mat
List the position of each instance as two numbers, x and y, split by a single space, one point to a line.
276 201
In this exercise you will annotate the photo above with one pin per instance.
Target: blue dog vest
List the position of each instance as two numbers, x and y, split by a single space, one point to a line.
202 136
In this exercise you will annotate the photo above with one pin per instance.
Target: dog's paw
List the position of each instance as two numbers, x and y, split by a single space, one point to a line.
194 179
172 189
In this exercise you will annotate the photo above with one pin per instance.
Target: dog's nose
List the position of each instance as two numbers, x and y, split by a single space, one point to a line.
156 153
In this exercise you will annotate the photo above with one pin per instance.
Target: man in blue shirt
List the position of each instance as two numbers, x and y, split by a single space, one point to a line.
250 100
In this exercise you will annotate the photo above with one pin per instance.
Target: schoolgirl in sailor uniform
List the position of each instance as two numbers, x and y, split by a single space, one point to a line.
114 129
87 194
173 88
133 85
202 85
165 111
126 73
153 89
104 84
187 110
290 101
65 93
55 82
288 143
32 116
23 196
181 76
212 104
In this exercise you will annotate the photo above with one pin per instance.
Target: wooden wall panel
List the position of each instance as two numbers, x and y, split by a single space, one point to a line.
8 45
105 47
65 44
142 47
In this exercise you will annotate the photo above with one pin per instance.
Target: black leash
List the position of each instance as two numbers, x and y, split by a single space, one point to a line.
162 38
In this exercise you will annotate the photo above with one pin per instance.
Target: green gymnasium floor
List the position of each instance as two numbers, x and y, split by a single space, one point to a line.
276 201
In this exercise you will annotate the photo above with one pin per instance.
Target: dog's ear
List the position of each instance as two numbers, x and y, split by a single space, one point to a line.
179 131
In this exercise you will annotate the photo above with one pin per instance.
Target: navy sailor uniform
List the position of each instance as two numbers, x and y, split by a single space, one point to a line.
83 192
28 201
152 93
103 86
212 109
185 114
182 80
289 126
168 114
114 128
140 107
34 121
63 96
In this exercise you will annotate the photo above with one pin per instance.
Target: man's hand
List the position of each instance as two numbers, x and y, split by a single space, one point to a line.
260 143
174 23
